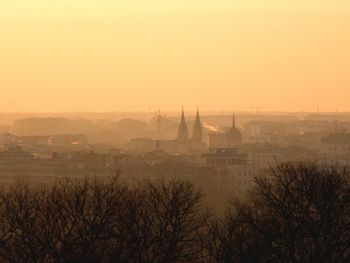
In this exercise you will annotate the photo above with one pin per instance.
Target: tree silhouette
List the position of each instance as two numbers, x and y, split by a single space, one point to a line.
164 222
102 220
296 213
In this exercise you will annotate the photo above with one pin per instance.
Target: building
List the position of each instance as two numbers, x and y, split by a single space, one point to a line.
42 126
264 155
141 145
225 156
235 171
15 152
217 140
182 130
181 145
197 136
194 145
336 144
231 138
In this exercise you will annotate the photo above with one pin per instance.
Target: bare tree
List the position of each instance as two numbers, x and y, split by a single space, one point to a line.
85 212
21 213
234 237
67 222
164 222
296 213
102 220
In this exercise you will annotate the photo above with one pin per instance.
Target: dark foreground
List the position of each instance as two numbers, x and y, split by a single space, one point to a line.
295 213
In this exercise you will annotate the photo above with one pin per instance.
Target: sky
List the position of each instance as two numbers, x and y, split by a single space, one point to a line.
141 55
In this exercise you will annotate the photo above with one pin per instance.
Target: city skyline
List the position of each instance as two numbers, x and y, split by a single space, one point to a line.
175 131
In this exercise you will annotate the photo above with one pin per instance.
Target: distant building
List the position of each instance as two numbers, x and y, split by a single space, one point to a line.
231 138
217 140
7 138
267 131
234 169
181 145
225 156
182 131
53 140
336 144
15 152
264 155
197 130
194 145
161 127
42 126
142 145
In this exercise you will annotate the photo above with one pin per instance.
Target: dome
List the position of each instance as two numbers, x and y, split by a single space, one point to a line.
233 136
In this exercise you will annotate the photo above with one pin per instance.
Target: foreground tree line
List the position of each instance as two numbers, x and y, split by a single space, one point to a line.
295 213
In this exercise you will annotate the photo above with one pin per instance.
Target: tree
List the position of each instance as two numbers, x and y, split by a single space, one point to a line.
102 220
296 213
164 222
66 222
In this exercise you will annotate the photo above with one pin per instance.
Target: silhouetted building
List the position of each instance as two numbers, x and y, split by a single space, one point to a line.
15 152
234 170
197 130
229 139
142 145
225 156
217 140
183 131
233 136
180 145
336 144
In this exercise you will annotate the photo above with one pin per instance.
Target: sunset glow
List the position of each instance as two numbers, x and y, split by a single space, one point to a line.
138 55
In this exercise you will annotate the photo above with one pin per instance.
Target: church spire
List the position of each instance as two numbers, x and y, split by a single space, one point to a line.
197 129
233 136
234 120
197 117
182 132
182 115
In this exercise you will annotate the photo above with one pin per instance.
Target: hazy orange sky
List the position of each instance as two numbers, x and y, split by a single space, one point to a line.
110 55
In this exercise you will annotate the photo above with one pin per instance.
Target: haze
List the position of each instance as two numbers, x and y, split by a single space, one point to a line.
104 55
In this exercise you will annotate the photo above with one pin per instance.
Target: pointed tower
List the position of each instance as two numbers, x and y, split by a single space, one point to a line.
182 132
233 120
233 136
197 129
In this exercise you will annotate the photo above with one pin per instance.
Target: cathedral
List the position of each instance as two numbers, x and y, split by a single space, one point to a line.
194 144
197 134
183 131
191 141
232 138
